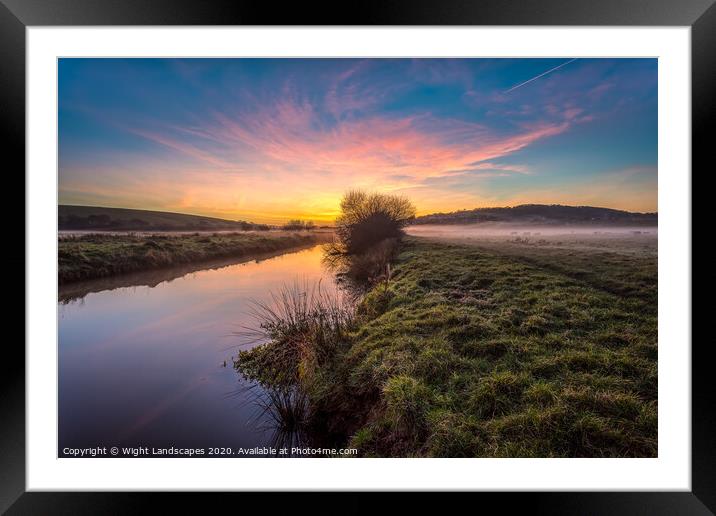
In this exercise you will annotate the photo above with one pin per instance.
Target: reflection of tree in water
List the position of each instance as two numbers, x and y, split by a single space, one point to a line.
357 273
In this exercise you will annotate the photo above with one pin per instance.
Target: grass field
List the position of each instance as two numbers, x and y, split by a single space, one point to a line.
500 348
106 219
101 255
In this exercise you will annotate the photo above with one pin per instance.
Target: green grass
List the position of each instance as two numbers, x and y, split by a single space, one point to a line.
501 349
101 255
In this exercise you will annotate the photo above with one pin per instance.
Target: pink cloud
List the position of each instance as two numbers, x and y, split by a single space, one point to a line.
420 146
286 148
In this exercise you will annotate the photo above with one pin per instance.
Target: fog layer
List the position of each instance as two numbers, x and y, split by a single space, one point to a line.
531 230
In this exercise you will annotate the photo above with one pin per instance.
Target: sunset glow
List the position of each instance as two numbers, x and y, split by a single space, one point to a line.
268 140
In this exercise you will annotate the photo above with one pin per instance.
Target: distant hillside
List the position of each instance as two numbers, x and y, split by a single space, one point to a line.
542 214
98 218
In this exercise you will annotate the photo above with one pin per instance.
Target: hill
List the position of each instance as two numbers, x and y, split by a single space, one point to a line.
542 214
107 219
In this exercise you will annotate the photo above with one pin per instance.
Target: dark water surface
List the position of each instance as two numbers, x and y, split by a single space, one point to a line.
144 365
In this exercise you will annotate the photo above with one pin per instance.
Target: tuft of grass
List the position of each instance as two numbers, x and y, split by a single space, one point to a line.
298 331
406 400
497 394
541 393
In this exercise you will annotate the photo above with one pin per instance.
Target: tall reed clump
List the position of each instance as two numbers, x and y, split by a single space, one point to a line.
299 333
299 329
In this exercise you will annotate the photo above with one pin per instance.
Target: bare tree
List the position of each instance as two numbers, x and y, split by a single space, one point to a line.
367 219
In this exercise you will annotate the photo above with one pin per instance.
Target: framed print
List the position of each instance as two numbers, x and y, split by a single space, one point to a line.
428 248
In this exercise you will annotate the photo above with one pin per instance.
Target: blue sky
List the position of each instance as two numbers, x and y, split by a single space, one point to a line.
271 139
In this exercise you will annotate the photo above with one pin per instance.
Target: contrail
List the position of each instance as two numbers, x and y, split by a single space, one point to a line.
541 75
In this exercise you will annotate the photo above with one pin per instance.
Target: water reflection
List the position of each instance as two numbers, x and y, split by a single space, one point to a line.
150 364
357 273
78 290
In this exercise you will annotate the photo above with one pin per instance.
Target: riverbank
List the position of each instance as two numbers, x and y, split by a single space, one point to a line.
509 349
103 255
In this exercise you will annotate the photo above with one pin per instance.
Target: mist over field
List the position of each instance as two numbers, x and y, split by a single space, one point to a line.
483 230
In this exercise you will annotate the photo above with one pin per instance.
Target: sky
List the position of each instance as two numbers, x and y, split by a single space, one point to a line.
267 140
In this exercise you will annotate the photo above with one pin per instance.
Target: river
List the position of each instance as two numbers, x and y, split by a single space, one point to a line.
151 364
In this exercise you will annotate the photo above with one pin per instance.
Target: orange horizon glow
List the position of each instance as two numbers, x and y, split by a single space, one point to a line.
324 208
328 219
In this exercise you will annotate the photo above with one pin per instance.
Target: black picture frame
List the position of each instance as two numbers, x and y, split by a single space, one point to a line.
700 15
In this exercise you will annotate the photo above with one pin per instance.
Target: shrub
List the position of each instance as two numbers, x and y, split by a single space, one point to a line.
367 219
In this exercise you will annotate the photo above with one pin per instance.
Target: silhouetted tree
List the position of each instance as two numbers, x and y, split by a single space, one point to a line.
367 219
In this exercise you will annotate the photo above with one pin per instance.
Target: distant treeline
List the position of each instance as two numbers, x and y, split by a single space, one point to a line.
541 214
121 219
299 225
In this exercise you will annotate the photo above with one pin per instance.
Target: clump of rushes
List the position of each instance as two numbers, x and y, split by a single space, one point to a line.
299 329
300 332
